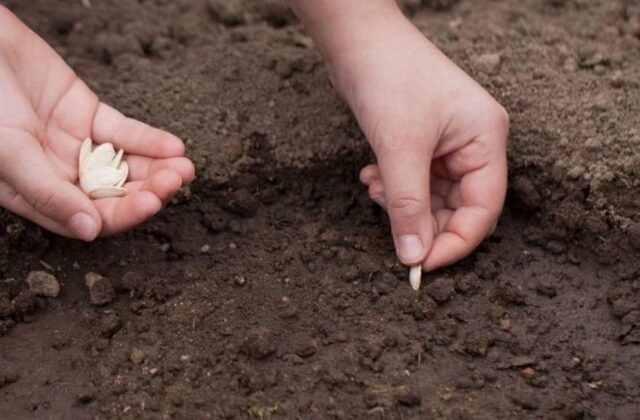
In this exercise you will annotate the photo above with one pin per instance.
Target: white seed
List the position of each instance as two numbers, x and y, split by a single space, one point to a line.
101 170
100 177
115 163
85 151
99 157
107 192
124 169
415 276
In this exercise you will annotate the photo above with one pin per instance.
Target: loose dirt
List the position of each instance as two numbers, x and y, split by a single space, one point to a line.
269 288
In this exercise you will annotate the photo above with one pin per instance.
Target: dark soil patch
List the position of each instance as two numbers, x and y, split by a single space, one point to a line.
269 288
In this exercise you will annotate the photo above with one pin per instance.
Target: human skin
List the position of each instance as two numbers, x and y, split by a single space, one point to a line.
46 112
438 136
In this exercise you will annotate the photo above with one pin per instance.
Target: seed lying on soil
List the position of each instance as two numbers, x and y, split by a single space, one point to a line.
415 276
101 170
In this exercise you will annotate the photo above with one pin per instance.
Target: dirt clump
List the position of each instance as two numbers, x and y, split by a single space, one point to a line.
100 289
44 284
297 307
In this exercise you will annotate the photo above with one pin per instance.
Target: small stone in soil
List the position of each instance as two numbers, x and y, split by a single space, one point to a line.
100 289
42 283
528 373
487 63
137 356
505 324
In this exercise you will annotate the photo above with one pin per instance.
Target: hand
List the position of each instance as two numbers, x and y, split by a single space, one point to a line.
439 138
46 112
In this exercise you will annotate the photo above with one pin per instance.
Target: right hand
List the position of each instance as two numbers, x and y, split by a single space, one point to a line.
439 138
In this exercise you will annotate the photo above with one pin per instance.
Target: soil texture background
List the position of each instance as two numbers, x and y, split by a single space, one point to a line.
269 288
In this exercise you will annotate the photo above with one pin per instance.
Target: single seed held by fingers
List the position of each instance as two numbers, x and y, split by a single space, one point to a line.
101 170
415 276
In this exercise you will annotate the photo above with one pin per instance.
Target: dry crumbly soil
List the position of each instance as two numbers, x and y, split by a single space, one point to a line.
269 288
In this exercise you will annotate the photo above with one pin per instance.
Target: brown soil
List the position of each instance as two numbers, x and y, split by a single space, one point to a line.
269 288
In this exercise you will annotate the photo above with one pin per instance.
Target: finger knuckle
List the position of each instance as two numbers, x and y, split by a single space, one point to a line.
41 199
406 208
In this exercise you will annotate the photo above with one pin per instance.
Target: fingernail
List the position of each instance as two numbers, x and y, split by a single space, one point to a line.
83 226
410 248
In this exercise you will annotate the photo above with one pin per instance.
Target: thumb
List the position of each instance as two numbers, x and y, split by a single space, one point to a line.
44 196
404 169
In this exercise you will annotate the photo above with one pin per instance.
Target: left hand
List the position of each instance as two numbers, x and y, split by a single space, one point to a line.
46 112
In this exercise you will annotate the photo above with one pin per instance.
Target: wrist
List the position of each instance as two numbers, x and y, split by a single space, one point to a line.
338 26
345 39
319 13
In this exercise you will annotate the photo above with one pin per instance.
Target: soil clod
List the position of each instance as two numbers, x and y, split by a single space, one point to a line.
441 290
44 284
100 289
110 324
258 343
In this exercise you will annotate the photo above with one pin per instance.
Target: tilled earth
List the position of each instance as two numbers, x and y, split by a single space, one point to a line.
269 288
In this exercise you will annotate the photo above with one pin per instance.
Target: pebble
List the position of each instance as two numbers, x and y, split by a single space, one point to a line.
137 356
42 283
487 63
528 373
505 324
576 172
205 249
100 289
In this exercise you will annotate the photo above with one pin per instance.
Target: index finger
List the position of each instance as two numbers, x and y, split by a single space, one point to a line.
135 137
